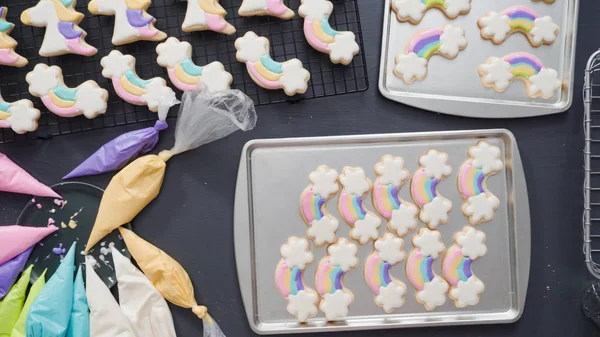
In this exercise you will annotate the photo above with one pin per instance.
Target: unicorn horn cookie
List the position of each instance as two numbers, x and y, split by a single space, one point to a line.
290 75
499 73
176 56
341 46
132 22
63 35
8 56
413 10
206 15
87 99
466 287
265 7
295 257
20 116
411 65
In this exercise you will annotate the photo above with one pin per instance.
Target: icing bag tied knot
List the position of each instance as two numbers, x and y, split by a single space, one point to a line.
160 125
165 155
200 311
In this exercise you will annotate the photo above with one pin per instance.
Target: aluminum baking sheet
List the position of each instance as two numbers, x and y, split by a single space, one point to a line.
454 86
274 172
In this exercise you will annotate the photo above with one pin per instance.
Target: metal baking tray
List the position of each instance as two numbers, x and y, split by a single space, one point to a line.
273 173
454 86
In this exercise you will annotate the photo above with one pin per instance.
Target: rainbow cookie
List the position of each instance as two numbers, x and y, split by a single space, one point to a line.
132 22
484 161
87 99
176 56
206 15
63 35
466 288
424 188
355 187
8 56
265 7
411 65
389 292
391 176
497 27
341 46
335 297
413 10
121 70
302 300
313 205
290 75
499 73
20 116
431 288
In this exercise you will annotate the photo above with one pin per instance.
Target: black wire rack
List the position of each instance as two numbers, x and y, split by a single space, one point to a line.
286 38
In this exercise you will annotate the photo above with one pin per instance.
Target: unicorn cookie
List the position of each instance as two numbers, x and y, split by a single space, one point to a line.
389 292
295 257
206 15
265 7
499 73
411 65
391 176
335 297
121 70
63 35
466 288
132 22
20 116
424 188
313 205
413 10
176 56
431 288
497 27
87 99
484 161
355 187
8 56
290 75
341 46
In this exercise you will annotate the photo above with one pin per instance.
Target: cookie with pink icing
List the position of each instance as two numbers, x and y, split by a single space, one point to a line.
355 188
431 288
61 20
340 45
466 288
413 11
253 50
295 257
20 116
265 7
484 161
424 188
206 15
8 56
322 226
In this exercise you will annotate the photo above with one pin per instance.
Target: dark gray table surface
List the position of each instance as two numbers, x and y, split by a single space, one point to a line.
192 217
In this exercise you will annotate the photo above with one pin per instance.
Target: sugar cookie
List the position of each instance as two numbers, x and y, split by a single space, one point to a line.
484 161
132 22
176 56
87 99
413 10
424 188
313 205
466 288
20 116
549 2
267 73
431 288
335 297
63 35
206 15
341 46
389 292
121 70
499 73
265 7
355 187
295 257
497 27
391 176
8 56
411 65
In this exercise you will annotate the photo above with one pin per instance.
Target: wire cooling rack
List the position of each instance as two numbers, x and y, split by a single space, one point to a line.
286 37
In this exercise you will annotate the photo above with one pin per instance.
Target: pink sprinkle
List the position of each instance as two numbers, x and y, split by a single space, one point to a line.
58 202
33 200
39 206
50 222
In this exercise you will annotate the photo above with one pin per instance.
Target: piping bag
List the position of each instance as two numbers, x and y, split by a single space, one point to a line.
10 270
14 240
38 285
79 324
203 118
15 179
11 306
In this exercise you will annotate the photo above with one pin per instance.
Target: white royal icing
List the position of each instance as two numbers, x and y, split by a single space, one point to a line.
429 242
324 181
172 52
314 10
409 9
343 48
434 293
251 47
404 219
90 99
23 116
335 306
435 164
323 230
390 248
294 77
303 305
495 26
496 73
194 15
436 212
215 77
481 207
296 253
42 79
44 14
355 181
343 254
472 243
410 67
116 64
366 229
391 296
123 32
249 6
390 170
452 40
456 7
467 293
545 83
544 30
157 92
486 157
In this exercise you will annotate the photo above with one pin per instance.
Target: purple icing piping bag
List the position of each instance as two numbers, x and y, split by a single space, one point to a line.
11 269
120 151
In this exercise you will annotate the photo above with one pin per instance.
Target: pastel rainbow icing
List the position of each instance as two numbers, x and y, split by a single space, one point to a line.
456 267
521 17
288 281
61 100
470 180
328 278
425 43
7 43
131 87
423 188
377 273
523 64
186 75
312 205
431 3
319 33
351 207
266 71
419 269
386 199
142 23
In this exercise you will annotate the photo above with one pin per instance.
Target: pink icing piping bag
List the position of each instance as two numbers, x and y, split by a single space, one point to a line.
15 179
14 240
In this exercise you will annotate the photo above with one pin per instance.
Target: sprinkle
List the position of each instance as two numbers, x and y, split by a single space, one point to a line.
103 244
59 202
93 261
72 224
50 222
59 250
39 206
110 279
41 244
82 252
76 213
52 211
33 200
63 225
